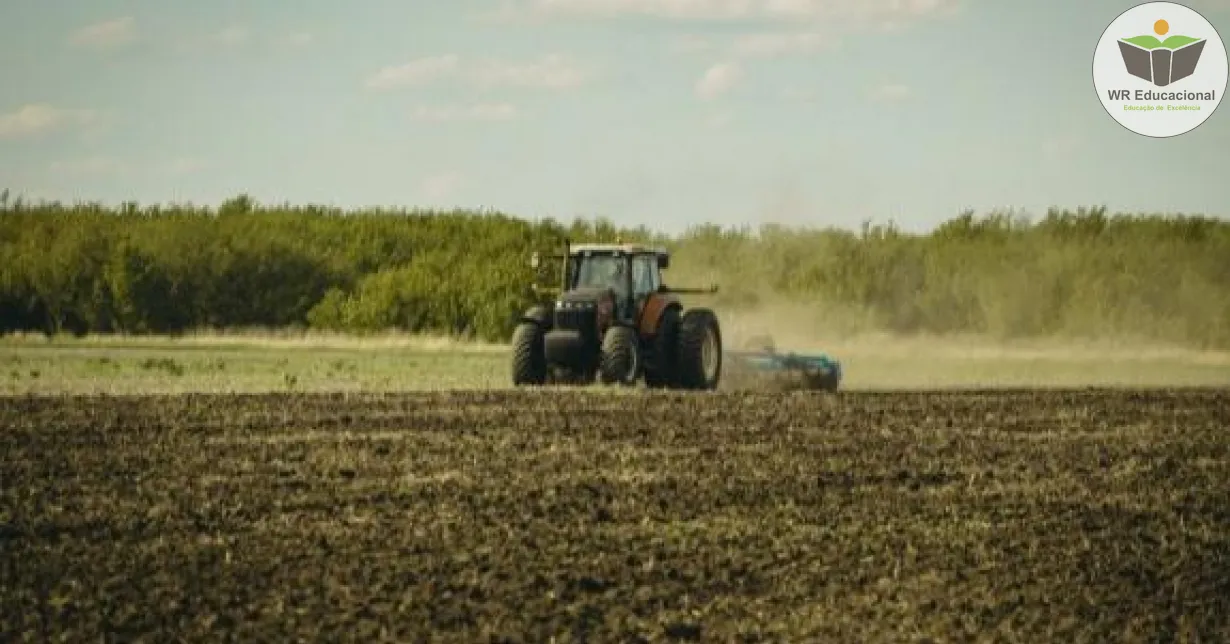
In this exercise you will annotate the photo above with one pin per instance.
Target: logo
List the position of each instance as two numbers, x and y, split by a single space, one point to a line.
1161 62
1160 69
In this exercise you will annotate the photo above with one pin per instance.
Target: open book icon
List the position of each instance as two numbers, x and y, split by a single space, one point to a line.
1161 62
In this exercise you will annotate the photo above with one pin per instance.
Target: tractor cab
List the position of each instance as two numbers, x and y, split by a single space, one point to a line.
629 272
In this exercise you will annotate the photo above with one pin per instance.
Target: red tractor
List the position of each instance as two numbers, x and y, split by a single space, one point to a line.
614 321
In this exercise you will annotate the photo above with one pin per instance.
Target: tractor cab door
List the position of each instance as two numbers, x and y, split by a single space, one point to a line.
645 282
620 280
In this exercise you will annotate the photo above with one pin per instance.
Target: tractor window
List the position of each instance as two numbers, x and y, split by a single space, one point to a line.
605 271
644 274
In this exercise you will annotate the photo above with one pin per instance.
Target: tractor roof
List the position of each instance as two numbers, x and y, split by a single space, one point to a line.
634 249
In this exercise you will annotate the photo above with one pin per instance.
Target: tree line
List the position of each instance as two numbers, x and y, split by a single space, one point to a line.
86 268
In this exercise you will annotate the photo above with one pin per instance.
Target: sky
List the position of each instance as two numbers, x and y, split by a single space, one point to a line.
664 113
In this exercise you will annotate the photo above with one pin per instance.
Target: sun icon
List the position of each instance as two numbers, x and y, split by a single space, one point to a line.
1161 27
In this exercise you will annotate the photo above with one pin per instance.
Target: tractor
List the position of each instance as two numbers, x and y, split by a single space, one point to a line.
613 320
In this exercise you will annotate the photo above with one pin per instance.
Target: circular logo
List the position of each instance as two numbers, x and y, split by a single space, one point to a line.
1160 69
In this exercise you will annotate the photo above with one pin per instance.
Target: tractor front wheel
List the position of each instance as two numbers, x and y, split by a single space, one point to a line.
529 362
621 359
699 351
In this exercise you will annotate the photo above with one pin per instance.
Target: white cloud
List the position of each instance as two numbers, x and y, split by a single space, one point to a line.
729 10
479 112
231 36
765 44
718 79
798 27
673 9
111 33
40 118
441 186
891 92
89 166
415 72
552 71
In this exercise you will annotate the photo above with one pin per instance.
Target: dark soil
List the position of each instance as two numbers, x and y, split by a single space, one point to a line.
1033 516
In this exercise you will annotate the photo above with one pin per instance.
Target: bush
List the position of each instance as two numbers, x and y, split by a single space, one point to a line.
89 269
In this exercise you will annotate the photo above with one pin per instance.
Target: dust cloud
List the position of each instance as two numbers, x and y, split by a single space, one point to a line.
874 359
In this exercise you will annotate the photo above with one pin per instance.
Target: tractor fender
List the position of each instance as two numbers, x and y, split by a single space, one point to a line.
654 308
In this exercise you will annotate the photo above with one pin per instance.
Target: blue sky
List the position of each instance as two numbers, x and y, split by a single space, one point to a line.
657 112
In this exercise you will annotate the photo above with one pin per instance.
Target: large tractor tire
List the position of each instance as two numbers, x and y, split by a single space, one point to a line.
699 359
621 357
529 361
661 373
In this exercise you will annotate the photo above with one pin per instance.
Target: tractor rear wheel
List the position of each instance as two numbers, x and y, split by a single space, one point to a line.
621 357
699 354
661 373
529 362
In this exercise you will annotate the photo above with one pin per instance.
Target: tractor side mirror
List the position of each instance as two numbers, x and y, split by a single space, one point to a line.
535 260
664 262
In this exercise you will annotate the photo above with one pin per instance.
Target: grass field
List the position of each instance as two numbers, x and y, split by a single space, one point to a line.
242 363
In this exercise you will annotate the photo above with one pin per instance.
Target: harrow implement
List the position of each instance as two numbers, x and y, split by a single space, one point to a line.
807 371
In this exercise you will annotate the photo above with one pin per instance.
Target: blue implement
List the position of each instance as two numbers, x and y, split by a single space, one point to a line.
819 371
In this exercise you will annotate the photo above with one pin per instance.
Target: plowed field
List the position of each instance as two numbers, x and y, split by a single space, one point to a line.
520 516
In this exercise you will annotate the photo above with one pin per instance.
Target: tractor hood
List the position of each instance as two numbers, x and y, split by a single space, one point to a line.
584 295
